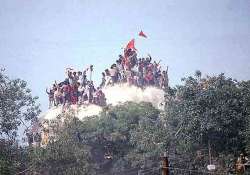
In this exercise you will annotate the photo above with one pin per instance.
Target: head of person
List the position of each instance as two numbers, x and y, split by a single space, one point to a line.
91 67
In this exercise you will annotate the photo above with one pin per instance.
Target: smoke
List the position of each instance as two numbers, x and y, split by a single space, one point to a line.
114 95
122 93
80 112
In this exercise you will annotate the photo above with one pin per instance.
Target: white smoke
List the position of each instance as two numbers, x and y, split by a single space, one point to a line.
122 93
114 95
80 112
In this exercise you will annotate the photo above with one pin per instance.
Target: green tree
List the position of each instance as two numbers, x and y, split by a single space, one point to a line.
17 107
64 156
65 153
136 133
209 110
203 110
121 138
245 89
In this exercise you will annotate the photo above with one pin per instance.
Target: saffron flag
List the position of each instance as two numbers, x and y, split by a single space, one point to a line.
131 45
142 34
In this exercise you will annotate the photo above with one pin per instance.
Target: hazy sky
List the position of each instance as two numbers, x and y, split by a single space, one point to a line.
40 38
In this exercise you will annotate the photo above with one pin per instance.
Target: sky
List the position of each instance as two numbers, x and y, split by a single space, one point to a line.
39 39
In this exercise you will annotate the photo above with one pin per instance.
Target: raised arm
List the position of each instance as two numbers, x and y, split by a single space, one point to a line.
47 91
56 84
150 58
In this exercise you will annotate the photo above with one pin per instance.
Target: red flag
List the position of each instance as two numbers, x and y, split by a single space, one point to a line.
142 34
131 45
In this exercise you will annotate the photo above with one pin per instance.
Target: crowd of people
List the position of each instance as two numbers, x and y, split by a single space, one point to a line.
135 71
77 88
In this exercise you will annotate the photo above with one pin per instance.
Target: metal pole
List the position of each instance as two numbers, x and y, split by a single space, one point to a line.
209 153
165 165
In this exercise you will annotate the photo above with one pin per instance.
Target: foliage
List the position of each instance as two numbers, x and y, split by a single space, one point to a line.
245 88
135 133
121 132
202 111
65 156
13 158
211 110
17 106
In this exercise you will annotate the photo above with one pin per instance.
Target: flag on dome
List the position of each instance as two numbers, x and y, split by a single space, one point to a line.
131 45
142 34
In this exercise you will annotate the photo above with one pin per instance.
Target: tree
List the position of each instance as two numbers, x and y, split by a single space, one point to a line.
64 156
210 110
203 111
65 153
245 89
136 133
17 106
123 133
113 142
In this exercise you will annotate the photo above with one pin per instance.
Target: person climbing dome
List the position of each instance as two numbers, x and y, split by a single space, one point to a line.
51 97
